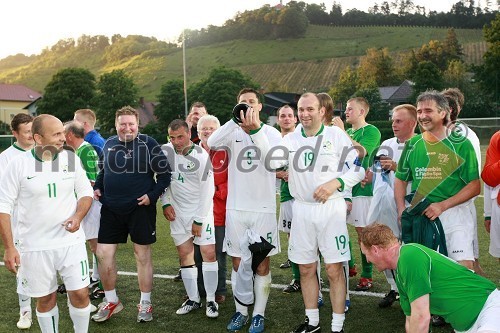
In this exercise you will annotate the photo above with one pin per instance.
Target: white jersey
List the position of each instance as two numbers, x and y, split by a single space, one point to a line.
46 195
8 155
466 131
314 161
192 188
393 149
251 187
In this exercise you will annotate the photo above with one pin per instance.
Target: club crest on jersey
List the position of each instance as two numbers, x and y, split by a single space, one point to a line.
327 146
65 169
443 158
129 153
190 165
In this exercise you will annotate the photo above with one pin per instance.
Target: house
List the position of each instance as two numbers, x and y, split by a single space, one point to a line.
274 100
14 98
397 95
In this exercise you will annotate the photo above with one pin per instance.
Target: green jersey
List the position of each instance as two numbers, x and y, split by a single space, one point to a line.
455 292
285 192
369 137
438 170
89 159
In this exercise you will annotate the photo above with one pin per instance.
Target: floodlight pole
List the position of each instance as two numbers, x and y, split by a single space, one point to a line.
184 71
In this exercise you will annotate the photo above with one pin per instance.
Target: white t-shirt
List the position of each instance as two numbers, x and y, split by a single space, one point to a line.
191 189
46 195
251 187
314 161
8 155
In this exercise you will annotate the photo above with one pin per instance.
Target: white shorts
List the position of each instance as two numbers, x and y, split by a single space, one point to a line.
458 226
238 221
495 229
37 275
286 216
181 231
319 227
359 212
92 220
489 318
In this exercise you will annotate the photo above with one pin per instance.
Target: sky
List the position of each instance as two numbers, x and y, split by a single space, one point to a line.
29 26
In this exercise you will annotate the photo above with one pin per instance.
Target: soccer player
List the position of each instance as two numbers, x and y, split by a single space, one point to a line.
74 133
315 156
197 110
491 178
52 194
429 282
133 175
251 204
404 122
287 121
21 129
188 205
368 136
443 169
87 118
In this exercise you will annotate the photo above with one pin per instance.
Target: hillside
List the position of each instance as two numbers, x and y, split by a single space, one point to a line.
312 62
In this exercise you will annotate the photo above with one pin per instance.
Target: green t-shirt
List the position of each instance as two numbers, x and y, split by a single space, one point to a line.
285 192
455 292
369 137
89 159
438 170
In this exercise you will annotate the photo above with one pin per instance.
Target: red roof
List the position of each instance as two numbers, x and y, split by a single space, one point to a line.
17 92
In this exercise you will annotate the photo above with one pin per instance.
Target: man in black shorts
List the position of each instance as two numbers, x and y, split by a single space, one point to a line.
128 191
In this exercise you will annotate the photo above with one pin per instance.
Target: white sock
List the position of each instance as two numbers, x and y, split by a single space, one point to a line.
80 318
111 296
261 288
49 321
389 275
239 307
337 321
146 296
345 266
210 278
190 280
313 315
318 274
95 270
24 303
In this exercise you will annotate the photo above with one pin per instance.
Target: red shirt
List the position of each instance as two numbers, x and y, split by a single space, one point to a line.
220 164
491 170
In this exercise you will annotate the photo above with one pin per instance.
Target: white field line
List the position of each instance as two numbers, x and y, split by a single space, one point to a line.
273 285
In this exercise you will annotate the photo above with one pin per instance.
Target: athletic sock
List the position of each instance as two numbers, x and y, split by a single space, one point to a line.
145 296
24 303
111 296
389 275
352 262
313 315
295 271
95 270
48 321
337 321
261 287
210 278
80 318
190 280
345 266
367 267
239 307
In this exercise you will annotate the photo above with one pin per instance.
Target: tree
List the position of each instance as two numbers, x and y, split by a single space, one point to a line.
345 86
489 72
291 23
114 91
69 89
452 46
171 102
219 90
427 76
379 110
377 66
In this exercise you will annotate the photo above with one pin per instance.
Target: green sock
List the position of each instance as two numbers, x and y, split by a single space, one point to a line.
352 262
367 267
295 271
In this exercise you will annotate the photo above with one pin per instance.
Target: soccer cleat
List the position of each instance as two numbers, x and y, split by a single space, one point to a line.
97 293
341 331
286 264
93 283
294 286
25 321
238 320
391 297
306 328
178 277
220 298
353 271
61 289
347 305
107 310
93 308
437 321
212 309
145 312
188 306
364 284
320 301
257 325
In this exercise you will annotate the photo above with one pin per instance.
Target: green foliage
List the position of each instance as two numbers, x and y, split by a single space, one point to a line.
489 72
427 76
379 110
291 23
69 90
133 45
377 66
114 91
171 103
219 91
345 86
